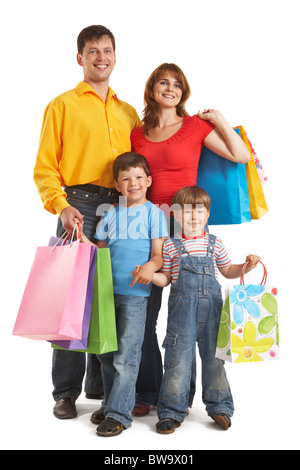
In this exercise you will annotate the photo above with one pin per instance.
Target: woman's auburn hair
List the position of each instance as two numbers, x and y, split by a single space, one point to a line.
151 110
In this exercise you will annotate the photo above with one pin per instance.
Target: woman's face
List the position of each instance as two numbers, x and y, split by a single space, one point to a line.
167 91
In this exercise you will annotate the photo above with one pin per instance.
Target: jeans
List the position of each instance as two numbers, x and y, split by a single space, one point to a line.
194 313
120 368
151 368
69 367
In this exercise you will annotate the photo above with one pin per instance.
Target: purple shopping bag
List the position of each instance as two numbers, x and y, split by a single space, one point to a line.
80 343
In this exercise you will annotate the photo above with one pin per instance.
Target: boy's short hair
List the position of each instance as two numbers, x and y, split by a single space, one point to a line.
93 32
130 160
192 195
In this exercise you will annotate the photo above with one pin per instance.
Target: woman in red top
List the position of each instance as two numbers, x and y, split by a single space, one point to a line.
171 141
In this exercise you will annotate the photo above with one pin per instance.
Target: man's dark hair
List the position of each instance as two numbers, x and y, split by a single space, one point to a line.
93 32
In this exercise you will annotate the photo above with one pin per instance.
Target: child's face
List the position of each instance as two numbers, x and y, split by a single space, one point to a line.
192 220
133 184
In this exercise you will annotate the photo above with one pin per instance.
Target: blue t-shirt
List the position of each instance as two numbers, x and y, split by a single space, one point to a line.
128 232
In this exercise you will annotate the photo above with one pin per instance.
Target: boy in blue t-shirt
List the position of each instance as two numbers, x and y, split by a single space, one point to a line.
134 231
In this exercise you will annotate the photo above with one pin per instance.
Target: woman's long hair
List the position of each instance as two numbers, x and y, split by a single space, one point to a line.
151 110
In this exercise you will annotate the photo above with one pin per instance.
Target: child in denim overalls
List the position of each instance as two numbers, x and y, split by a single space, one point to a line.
195 306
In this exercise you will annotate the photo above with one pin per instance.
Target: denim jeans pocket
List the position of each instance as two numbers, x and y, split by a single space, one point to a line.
169 345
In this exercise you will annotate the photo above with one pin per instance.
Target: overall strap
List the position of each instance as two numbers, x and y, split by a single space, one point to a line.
180 246
211 245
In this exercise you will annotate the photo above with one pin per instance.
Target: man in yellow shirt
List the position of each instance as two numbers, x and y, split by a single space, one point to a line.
83 131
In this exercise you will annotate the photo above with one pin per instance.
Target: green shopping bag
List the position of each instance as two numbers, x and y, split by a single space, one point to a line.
102 333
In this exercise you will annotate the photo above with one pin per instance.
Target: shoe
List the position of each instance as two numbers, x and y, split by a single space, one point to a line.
98 416
95 396
167 426
65 408
222 420
140 410
110 427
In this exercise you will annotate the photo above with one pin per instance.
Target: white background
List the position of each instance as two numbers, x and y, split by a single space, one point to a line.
240 57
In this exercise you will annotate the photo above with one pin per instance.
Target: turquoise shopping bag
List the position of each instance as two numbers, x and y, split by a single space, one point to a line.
226 183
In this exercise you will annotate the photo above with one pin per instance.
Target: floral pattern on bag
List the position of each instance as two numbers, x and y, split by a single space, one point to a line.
249 328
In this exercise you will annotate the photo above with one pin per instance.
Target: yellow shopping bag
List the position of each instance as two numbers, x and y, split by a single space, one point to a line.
258 205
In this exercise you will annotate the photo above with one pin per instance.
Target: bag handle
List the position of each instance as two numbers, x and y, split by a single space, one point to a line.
264 279
78 234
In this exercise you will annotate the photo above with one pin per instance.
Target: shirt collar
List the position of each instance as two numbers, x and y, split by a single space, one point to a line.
193 238
84 87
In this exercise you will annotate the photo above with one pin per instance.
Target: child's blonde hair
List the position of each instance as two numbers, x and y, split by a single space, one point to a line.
192 195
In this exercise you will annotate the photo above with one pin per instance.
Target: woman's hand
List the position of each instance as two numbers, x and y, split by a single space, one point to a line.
223 140
210 114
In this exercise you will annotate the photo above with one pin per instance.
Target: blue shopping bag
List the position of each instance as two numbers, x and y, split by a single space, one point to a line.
226 183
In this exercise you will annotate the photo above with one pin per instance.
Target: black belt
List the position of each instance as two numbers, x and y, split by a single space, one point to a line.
94 189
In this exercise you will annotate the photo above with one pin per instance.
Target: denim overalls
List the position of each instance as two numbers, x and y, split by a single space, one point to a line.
195 306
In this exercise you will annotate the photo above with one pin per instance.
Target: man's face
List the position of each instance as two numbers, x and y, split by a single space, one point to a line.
98 60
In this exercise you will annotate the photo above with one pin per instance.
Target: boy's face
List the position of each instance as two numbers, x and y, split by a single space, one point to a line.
133 184
192 220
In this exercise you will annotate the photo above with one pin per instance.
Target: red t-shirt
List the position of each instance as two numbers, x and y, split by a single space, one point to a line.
174 162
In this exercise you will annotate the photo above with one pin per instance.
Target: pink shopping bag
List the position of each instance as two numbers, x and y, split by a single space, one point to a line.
78 344
53 302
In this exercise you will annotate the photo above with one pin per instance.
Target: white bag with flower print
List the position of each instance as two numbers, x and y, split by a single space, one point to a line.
249 330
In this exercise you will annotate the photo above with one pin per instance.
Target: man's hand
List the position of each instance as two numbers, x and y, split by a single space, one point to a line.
69 217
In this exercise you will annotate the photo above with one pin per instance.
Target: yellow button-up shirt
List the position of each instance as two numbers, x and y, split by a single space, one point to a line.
81 137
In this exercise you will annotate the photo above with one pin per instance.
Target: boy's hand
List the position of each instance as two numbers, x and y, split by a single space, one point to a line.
136 270
142 274
253 261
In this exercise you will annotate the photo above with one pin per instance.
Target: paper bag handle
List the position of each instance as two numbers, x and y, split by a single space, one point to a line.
78 234
264 279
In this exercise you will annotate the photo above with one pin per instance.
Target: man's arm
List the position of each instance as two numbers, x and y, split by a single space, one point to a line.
47 175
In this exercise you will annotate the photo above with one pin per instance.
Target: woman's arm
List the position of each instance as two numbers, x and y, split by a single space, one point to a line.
223 140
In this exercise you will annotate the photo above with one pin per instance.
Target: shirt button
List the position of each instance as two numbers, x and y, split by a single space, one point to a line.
111 129
115 150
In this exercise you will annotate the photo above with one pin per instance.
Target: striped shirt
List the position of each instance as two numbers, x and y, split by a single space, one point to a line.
196 247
